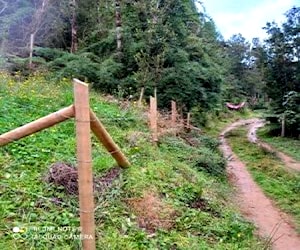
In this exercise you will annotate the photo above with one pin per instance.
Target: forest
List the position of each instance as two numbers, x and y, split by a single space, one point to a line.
125 47
218 171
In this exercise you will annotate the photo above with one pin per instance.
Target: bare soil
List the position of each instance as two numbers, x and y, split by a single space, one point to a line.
271 223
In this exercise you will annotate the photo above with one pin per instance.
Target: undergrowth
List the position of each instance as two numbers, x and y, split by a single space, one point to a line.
183 185
282 185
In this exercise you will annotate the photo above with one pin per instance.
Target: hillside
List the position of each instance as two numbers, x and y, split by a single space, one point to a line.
174 196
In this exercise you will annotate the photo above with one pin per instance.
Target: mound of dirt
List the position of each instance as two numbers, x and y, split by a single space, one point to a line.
65 175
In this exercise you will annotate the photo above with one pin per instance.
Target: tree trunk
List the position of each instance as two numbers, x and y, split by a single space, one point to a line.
118 26
35 26
37 19
74 39
141 97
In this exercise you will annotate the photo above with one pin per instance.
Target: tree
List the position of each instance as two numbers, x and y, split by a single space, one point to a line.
118 26
165 44
283 65
237 54
74 39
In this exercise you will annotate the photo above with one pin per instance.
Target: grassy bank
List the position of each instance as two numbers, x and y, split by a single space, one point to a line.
288 146
277 182
173 196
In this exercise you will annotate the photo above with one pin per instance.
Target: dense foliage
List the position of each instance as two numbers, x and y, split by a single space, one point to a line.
166 45
283 70
127 47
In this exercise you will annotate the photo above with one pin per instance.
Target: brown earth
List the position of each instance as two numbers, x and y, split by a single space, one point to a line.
272 224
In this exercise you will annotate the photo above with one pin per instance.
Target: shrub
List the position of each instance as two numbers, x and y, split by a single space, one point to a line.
204 158
82 66
210 162
209 142
107 76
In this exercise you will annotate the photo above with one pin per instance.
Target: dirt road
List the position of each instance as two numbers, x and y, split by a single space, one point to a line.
269 220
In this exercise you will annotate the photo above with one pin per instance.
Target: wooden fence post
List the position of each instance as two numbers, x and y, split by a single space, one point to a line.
174 114
84 159
283 126
31 50
104 137
153 118
84 123
38 125
188 121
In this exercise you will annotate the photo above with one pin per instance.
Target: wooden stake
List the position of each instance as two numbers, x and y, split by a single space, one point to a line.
38 125
31 50
153 118
84 158
188 120
283 126
174 114
104 137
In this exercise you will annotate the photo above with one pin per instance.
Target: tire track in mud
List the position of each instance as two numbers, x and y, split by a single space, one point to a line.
271 222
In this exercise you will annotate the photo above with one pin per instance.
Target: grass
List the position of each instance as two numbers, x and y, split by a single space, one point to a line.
277 182
288 146
215 124
194 200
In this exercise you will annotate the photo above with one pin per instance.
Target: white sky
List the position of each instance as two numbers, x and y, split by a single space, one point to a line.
247 16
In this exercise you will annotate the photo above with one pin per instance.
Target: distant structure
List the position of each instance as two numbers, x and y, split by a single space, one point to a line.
232 106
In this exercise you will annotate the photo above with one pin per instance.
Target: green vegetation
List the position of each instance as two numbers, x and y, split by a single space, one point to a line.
282 73
215 124
278 183
130 47
289 146
187 200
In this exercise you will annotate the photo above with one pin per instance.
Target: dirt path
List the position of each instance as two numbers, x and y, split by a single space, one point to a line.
288 161
269 220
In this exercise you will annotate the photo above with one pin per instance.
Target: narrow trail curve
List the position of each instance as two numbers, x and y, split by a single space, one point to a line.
269 220
288 161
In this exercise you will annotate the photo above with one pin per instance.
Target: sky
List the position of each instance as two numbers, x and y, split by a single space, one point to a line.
247 16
